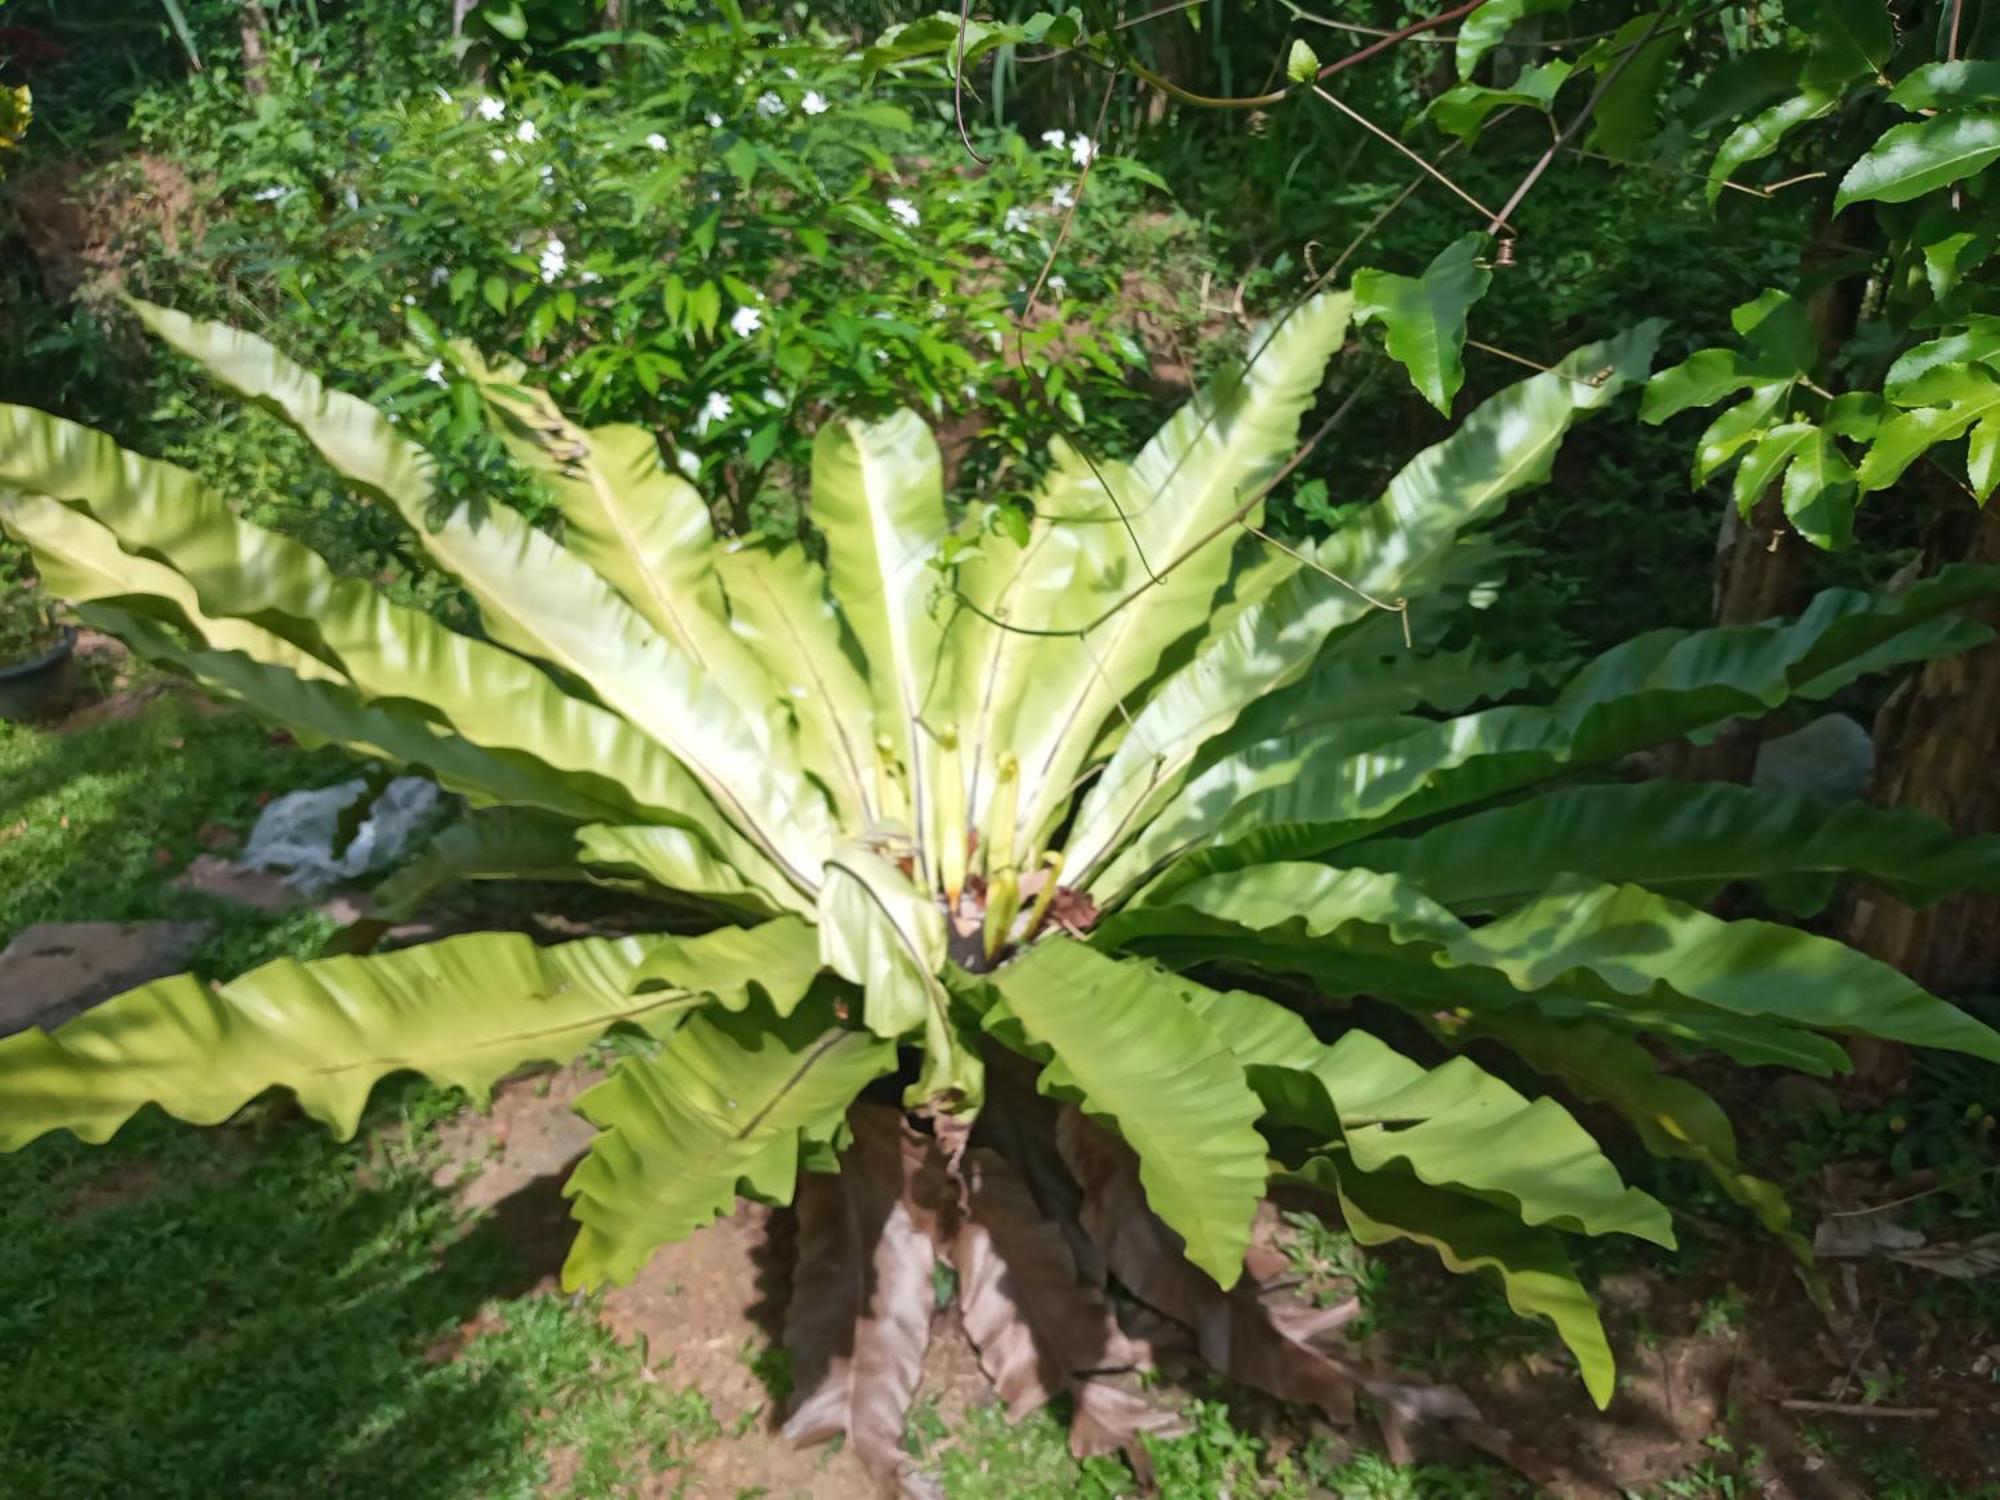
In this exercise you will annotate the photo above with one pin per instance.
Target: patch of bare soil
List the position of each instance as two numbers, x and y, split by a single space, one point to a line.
706 1312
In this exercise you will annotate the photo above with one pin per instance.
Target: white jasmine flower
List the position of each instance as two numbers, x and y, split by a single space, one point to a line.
715 409
1016 221
714 120
773 396
1082 151
497 154
745 321
548 174
814 102
439 275
491 108
1054 138
526 133
769 105
905 210
1063 197
970 392
555 260
434 372
656 141
589 278
687 462
1058 285
409 299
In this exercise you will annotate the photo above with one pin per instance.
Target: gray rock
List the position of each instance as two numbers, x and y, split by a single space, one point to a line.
51 972
1830 760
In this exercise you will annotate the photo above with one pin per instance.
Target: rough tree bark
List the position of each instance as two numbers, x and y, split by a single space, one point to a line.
1937 746
1760 562
254 27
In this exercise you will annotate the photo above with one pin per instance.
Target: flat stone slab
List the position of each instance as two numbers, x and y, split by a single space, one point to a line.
225 880
51 972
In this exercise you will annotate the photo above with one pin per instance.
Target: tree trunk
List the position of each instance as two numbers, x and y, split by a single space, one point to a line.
1759 563
1937 748
255 27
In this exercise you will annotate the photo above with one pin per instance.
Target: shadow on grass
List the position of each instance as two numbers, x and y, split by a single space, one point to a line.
259 1311
95 825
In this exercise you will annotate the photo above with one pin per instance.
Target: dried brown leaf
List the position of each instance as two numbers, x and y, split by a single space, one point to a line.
1236 1331
862 1296
1035 1323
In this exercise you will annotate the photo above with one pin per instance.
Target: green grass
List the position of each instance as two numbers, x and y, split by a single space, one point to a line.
94 826
260 1311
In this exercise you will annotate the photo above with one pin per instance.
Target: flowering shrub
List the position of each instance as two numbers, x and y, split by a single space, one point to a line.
727 241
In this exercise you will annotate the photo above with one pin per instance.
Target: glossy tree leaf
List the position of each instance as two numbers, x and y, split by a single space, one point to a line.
1114 1039
1910 160
1461 109
1424 316
1949 85
1758 137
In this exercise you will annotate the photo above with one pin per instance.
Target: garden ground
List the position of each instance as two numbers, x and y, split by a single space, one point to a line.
258 1310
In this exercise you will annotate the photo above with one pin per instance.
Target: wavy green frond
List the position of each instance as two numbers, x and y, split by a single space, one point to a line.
1670 1115
463 1012
1684 839
1454 1125
636 524
676 859
1396 549
1113 1039
723 1104
505 843
878 499
1635 940
774 962
879 931
1171 519
1657 687
538 599
321 712
275 600
778 603
1469 1236
1358 932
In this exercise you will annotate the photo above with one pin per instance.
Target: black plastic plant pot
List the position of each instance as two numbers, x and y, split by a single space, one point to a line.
30 688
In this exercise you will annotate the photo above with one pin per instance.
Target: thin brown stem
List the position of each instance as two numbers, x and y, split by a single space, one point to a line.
1577 123
958 84
1498 220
